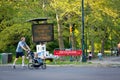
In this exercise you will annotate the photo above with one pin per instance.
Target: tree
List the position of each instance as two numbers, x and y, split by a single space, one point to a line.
99 19
101 22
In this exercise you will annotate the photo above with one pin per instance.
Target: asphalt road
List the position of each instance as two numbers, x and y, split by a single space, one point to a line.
61 73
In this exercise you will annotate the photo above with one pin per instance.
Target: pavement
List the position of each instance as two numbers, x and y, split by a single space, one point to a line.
106 69
113 61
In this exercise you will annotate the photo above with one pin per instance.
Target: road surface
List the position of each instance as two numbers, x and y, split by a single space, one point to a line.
61 73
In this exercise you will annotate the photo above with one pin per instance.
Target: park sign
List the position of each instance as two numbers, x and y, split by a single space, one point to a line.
42 32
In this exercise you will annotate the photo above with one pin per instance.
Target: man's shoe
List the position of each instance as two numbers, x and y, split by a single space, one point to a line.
23 67
13 66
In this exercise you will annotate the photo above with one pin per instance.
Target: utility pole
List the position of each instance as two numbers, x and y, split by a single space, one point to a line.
83 41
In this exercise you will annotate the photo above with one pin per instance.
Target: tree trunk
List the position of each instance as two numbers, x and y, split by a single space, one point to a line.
72 41
60 38
92 40
102 45
104 40
92 46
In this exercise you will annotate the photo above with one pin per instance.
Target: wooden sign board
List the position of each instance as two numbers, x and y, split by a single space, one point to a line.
42 32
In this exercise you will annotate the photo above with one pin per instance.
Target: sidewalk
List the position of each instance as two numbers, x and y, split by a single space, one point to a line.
112 60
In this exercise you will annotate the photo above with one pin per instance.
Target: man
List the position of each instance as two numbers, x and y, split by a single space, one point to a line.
19 51
118 52
90 56
99 55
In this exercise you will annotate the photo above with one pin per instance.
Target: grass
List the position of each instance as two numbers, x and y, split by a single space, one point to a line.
19 61
68 63
55 62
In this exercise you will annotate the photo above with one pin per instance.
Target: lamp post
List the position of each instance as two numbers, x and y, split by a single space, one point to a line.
83 42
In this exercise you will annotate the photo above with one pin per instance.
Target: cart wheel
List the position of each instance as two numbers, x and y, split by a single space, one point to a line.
30 65
43 66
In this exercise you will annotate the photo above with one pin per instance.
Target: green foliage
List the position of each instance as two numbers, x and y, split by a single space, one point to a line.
101 21
51 46
11 35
